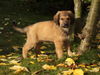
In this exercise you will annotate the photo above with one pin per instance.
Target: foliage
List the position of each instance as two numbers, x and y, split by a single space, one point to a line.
11 64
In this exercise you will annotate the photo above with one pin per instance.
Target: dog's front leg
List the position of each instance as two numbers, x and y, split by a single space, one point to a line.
59 49
69 50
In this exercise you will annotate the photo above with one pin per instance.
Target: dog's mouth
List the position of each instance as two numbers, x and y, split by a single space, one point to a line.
65 25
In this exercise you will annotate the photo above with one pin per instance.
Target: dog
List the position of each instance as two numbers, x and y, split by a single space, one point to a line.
56 31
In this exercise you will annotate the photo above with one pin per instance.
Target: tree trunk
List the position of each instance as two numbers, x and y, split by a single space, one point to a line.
77 8
88 30
78 11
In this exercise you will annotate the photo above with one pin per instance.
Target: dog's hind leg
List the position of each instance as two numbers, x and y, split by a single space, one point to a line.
30 43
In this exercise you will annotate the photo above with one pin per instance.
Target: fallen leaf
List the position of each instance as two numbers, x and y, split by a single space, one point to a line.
94 65
11 54
68 72
40 59
69 61
86 69
43 47
2 59
49 67
88 66
78 72
32 56
96 69
14 62
2 56
18 69
31 62
12 57
42 52
3 64
61 65
81 65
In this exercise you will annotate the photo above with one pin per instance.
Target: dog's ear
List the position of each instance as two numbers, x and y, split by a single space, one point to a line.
71 14
56 17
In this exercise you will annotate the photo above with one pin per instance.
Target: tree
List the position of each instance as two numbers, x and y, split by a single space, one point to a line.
90 27
77 8
78 14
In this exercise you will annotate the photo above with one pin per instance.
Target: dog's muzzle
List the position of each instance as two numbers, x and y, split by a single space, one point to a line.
65 25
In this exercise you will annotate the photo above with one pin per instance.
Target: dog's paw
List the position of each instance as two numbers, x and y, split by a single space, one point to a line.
72 54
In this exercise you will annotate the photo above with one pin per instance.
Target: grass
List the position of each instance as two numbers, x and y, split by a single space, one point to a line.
11 43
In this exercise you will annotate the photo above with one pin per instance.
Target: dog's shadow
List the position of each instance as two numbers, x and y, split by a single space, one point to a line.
47 48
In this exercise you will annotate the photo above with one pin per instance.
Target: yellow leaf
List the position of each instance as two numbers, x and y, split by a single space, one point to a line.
2 56
86 69
3 59
93 65
42 52
96 69
14 62
45 66
81 65
43 55
52 67
3 64
31 62
32 56
69 72
12 57
49 67
69 61
78 72
40 60
18 69
11 54
61 65
88 66
43 47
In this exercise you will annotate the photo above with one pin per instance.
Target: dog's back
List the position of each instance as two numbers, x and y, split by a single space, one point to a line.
47 31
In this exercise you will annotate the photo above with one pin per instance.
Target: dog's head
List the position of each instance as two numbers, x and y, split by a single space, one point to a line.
64 18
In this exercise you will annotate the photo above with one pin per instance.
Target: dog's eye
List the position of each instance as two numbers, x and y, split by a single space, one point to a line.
62 18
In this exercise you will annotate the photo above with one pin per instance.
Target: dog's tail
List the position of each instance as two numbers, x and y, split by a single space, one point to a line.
22 30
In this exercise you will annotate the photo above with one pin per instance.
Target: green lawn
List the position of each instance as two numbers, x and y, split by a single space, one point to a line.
11 43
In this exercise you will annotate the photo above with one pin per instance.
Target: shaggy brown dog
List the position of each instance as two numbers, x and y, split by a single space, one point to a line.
57 31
